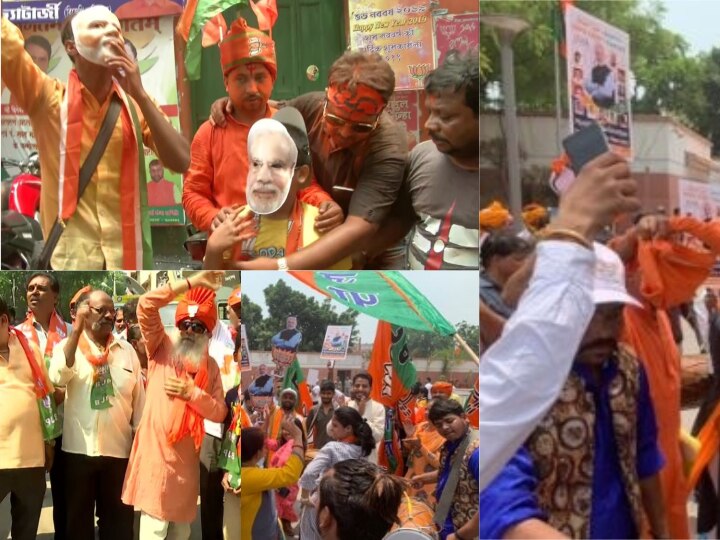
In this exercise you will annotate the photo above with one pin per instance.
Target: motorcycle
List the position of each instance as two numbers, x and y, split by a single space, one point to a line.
195 246
21 193
20 240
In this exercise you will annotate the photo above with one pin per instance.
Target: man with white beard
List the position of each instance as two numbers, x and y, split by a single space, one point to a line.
184 388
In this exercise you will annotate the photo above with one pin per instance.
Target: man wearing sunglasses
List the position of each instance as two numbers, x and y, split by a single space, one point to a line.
184 388
358 156
215 186
104 404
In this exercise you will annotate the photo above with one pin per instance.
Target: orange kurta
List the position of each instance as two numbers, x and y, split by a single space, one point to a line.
217 176
162 479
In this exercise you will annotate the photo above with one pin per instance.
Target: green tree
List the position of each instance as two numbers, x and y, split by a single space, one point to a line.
253 320
313 317
436 346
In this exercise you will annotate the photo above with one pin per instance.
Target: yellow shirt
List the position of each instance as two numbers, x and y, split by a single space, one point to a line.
21 443
272 237
93 237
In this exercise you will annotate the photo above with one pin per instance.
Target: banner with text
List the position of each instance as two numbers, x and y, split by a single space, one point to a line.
152 40
403 107
400 31
42 11
456 32
598 77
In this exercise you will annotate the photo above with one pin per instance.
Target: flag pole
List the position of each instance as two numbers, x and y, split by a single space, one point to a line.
558 100
467 348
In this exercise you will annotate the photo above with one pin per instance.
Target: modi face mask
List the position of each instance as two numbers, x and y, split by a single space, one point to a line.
272 157
94 29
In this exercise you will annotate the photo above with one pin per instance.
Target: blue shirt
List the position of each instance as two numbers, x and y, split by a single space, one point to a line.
510 498
473 465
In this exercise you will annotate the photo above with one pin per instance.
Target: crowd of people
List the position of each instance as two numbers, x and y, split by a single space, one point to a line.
321 181
318 473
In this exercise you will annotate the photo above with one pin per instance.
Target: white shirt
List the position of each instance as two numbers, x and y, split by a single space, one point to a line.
108 432
220 348
375 416
523 372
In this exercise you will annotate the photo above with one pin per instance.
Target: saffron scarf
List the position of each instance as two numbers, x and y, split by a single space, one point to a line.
185 420
137 251
57 331
49 420
102 387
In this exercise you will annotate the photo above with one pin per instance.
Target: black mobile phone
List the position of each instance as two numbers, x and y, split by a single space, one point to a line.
585 145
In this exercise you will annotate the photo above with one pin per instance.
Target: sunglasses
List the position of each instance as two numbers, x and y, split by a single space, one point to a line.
357 127
194 326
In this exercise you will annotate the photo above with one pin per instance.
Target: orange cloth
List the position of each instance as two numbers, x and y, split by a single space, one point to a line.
76 297
494 216
534 216
93 237
217 176
235 297
163 479
357 104
245 45
147 9
57 331
161 193
669 275
425 459
441 387
186 421
198 303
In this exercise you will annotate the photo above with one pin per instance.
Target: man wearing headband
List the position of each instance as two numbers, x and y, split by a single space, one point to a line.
215 183
280 164
184 388
107 228
358 154
442 184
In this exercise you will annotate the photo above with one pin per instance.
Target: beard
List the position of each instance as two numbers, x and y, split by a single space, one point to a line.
263 205
190 351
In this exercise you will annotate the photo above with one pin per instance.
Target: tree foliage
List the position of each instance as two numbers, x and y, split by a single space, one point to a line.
313 318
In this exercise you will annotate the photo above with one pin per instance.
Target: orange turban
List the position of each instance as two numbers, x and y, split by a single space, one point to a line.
245 45
534 216
442 387
494 216
86 288
235 297
198 303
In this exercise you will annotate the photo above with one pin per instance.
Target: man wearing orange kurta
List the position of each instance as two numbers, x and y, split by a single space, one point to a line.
218 170
106 228
665 274
184 388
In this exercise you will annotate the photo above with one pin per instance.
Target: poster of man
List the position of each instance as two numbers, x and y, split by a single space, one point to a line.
598 63
336 343
285 345
161 191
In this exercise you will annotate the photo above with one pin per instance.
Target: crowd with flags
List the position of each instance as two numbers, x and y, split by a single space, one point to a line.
417 439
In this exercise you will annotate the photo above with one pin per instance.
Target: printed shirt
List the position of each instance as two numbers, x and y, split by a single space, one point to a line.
272 238
108 432
93 235
21 444
510 498
444 474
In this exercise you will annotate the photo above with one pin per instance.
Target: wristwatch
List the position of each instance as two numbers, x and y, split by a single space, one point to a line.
282 264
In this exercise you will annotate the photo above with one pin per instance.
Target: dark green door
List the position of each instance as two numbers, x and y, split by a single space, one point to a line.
307 32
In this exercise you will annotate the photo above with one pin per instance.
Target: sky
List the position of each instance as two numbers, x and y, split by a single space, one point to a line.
695 20
453 293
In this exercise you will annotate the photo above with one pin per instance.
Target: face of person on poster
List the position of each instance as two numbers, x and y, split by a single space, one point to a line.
291 323
157 171
96 31
39 50
272 154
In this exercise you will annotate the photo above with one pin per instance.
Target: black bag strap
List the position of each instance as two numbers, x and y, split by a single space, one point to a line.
86 173
443 506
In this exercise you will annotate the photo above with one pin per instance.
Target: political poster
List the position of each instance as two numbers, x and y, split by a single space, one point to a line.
336 343
399 30
698 199
150 41
284 346
598 69
403 107
42 11
456 32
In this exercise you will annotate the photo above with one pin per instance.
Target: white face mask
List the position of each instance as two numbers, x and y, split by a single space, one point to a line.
270 172
93 29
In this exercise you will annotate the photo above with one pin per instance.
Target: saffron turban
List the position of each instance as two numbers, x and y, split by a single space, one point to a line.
198 303
245 45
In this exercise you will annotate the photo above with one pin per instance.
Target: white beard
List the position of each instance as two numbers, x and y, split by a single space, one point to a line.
191 354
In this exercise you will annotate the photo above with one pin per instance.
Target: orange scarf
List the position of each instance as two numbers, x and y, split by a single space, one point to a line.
71 129
57 331
186 421
95 360
42 386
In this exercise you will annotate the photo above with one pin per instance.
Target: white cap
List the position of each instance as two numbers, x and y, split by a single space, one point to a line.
609 279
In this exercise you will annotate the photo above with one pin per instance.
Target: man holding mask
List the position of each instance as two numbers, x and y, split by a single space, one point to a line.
106 228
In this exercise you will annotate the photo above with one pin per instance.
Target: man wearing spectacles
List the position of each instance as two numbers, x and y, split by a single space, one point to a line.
215 186
358 156
105 400
184 388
